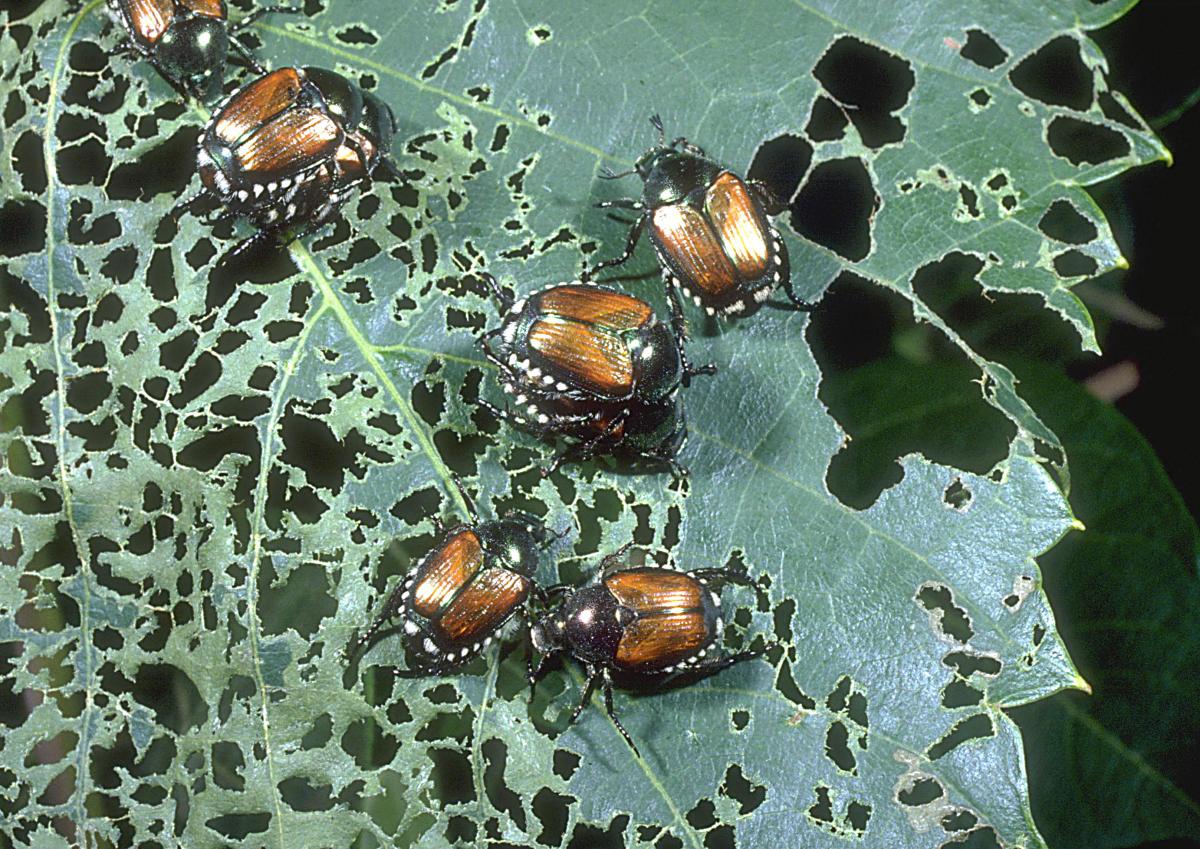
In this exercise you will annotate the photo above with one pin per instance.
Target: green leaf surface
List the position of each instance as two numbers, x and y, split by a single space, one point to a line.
209 482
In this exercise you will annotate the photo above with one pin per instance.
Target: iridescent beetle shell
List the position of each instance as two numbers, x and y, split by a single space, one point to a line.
637 621
710 231
285 150
464 590
593 364
188 41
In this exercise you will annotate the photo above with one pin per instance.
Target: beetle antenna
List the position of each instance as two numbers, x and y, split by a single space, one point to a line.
609 174
656 120
462 491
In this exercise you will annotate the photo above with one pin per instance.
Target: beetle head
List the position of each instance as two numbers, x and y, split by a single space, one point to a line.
378 122
548 633
343 98
514 541
192 52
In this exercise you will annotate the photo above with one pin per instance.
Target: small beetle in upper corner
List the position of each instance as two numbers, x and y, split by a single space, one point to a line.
285 150
710 231
464 590
187 41
642 621
594 364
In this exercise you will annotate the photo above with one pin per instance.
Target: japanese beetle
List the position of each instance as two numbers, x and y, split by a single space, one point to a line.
642 621
710 231
285 150
464 590
187 41
594 364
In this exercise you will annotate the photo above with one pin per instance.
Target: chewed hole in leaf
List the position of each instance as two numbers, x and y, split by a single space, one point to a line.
594 837
874 83
502 798
366 742
827 122
356 35
834 208
1055 75
24 226
1064 223
301 795
552 811
976 727
837 749
960 820
946 421
980 99
967 663
748 794
237 827
957 496
960 694
980 838
1074 263
1114 111
922 792
947 618
781 164
983 50
1084 142
172 695
165 168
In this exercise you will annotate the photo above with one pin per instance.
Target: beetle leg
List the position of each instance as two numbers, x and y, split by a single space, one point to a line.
686 145
245 55
621 203
504 299
614 562
612 714
254 242
544 593
657 122
391 167
689 370
362 154
635 233
534 671
730 575
798 303
391 607
261 12
583 451
594 676
770 201
711 666
186 203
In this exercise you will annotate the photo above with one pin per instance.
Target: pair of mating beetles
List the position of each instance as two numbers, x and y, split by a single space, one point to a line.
640 621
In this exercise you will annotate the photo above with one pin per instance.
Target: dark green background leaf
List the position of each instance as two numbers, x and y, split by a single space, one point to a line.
209 481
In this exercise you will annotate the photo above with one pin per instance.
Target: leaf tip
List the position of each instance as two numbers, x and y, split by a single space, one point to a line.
1080 683
1077 525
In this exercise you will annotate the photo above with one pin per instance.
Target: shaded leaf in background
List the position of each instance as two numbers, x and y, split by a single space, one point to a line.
1113 768
188 453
